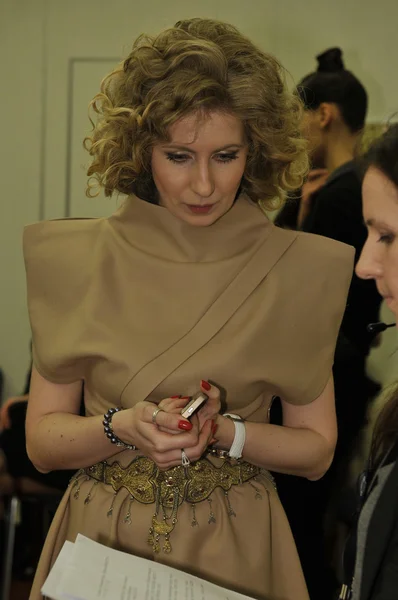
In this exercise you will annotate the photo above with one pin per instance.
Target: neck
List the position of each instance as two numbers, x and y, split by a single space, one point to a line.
342 149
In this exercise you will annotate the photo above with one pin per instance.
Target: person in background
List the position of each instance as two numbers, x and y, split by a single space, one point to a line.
371 555
330 204
188 287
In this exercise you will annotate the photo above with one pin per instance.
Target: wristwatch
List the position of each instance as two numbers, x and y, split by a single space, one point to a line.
236 449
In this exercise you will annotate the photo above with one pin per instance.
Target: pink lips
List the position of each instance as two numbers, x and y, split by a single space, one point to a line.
200 209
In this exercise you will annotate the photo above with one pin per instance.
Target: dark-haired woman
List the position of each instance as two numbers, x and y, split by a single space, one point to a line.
371 559
330 205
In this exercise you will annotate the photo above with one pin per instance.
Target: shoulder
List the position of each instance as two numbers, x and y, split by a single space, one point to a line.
62 231
309 250
61 250
347 186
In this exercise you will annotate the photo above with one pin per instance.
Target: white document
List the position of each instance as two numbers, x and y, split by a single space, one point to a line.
54 579
87 570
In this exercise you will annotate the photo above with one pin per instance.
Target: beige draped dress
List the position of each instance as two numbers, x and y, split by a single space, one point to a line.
141 306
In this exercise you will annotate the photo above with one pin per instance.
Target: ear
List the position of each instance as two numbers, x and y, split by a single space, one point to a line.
326 114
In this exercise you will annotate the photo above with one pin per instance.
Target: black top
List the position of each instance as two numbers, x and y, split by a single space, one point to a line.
380 558
336 212
380 562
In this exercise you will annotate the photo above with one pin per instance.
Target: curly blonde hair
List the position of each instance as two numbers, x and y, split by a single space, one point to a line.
199 65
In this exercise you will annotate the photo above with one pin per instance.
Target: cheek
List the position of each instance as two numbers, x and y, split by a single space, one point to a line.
166 178
231 178
390 267
391 275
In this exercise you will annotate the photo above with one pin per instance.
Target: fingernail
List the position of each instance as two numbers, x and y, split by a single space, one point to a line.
214 429
184 397
174 397
185 425
206 385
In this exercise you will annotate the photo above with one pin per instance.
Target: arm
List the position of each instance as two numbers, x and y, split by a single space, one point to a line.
315 181
57 437
305 444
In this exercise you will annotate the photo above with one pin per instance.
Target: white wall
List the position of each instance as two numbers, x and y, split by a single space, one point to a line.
52 54
21 68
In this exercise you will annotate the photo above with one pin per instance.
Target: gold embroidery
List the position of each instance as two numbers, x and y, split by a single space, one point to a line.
143 480
168 489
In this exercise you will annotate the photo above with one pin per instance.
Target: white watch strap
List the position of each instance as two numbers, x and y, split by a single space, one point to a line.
236 449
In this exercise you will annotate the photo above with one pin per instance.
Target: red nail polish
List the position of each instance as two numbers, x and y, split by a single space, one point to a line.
185 425
184 397
174 397
214 429
206 385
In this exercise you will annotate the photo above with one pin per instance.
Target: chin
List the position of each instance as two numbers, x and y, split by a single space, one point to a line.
202 221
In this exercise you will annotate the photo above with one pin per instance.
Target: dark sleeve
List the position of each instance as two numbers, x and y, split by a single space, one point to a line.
386 587
337 214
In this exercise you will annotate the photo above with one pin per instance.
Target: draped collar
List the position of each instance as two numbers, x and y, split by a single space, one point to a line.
154 230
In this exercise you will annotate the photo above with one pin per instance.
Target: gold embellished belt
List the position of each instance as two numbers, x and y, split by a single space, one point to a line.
147 484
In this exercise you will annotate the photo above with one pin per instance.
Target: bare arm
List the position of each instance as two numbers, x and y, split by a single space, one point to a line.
305 444
57 437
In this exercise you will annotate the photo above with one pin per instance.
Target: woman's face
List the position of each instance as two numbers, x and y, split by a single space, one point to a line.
197 174
379 258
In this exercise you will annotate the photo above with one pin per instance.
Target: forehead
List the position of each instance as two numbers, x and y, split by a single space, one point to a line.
213 129
380 197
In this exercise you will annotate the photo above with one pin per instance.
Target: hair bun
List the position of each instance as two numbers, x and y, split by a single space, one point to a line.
330 61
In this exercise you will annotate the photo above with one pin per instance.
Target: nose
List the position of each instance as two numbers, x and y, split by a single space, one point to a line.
203 180
369 264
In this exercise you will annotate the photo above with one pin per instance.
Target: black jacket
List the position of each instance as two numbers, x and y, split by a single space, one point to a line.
380 560
336 212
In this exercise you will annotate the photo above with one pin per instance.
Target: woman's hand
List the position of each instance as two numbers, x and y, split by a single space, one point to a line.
159 440
211 409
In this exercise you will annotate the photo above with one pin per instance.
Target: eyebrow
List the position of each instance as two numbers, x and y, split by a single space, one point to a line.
376 223
186 149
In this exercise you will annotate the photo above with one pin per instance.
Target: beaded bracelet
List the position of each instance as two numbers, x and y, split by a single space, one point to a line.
108 430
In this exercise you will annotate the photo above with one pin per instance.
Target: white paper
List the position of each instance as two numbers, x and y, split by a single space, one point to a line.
90 571
50 588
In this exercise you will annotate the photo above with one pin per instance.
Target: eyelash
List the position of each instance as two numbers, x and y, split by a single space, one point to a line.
183 158
386 238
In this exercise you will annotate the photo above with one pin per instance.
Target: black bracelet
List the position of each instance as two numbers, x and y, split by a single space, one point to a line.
108 430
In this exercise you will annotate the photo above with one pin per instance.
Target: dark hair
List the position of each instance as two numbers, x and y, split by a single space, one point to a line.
332 83
383 154
385 434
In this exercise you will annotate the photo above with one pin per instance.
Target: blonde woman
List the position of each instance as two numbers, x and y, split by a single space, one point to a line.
187 288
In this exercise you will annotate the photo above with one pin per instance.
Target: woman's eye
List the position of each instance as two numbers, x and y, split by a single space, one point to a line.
226 158
177 158
386 238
